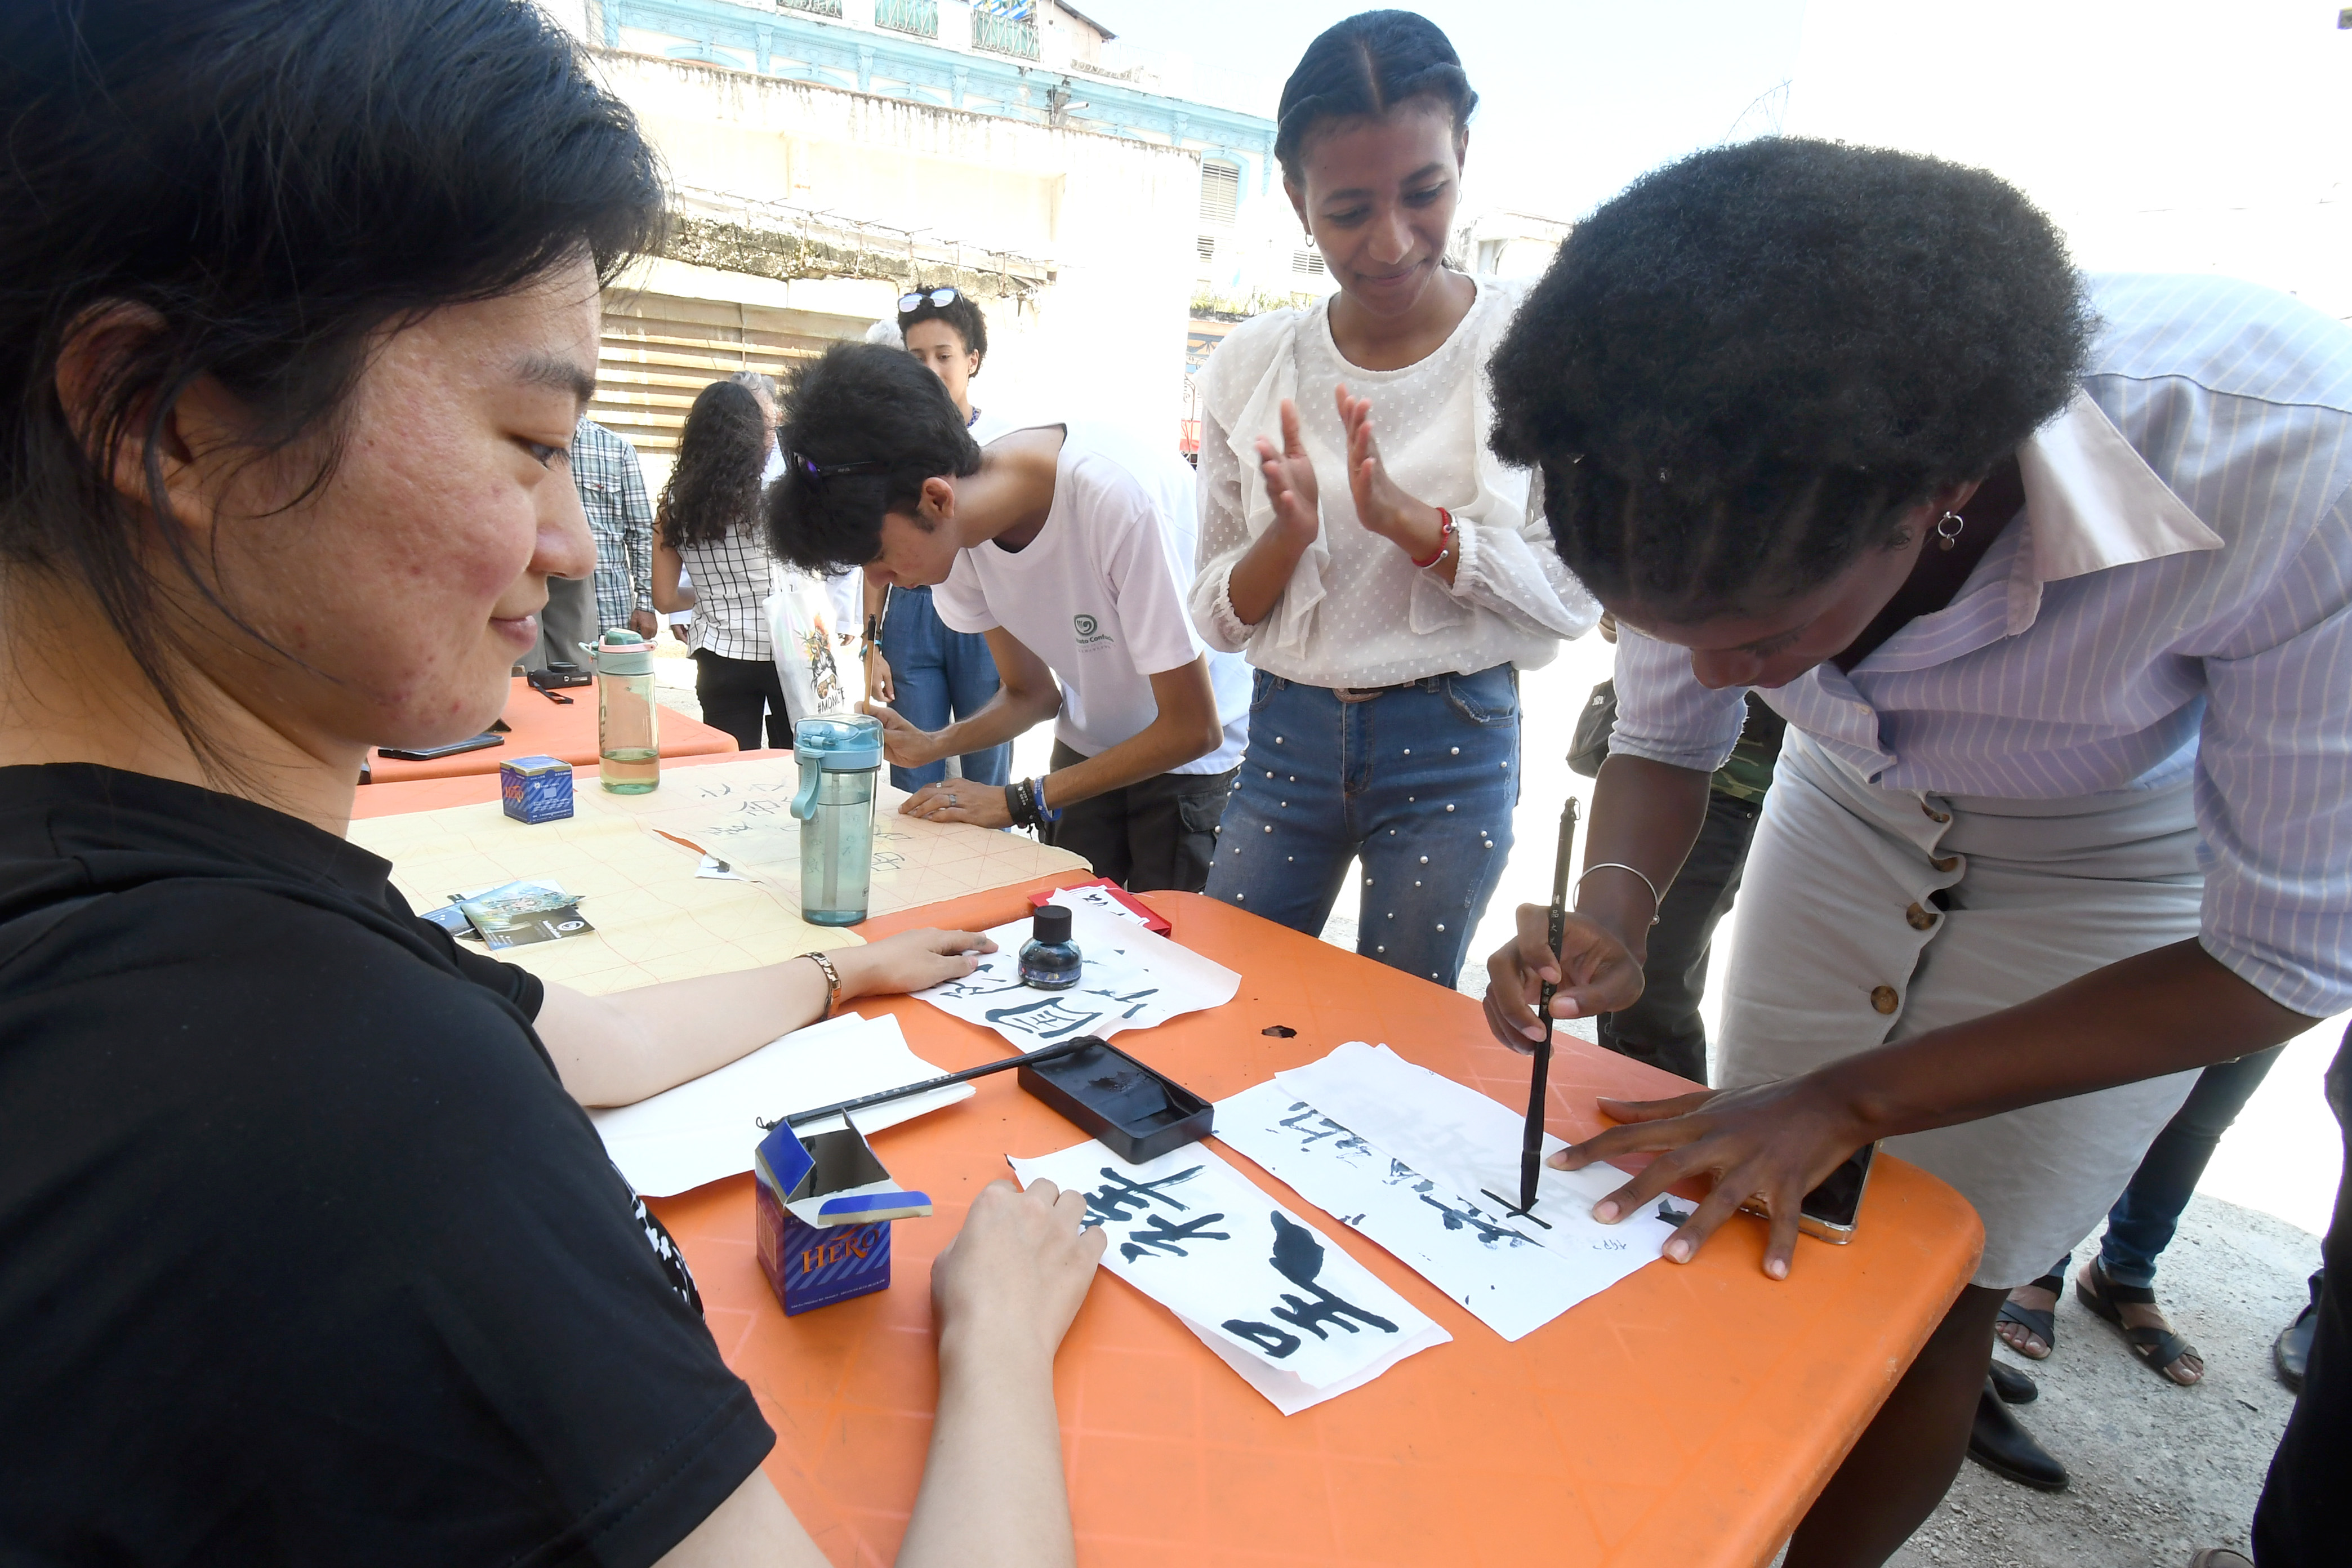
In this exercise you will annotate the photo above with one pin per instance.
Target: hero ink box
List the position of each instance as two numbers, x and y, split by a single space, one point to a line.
824 1205
535 789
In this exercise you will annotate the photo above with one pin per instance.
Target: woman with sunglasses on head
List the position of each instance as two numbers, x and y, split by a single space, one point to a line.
309 1250
928 674
707 528
1377 565
2051 579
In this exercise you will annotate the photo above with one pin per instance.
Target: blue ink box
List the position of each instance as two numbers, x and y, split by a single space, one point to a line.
824 1206
535 789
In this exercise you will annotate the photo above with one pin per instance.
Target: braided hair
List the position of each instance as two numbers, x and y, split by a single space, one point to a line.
1741 372
1367 66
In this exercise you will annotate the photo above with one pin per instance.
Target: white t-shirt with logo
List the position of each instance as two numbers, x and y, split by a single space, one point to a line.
1099 595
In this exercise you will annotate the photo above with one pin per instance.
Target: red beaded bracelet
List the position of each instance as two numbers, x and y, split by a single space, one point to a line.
1444 540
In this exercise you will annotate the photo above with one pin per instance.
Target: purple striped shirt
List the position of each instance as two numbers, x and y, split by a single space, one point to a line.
2175 597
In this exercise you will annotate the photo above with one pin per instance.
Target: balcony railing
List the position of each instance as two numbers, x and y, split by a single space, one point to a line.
920 17
1016 36
812 7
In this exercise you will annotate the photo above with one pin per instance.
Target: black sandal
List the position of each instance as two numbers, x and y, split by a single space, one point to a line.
2043 1325
2155 1349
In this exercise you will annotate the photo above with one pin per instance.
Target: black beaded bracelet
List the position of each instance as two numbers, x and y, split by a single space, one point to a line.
1024 802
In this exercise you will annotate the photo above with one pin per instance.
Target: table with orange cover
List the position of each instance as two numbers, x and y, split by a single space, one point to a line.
540 728
1685 1417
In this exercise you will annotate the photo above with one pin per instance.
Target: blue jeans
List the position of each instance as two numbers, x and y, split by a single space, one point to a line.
1418 782
2140 1225
940 676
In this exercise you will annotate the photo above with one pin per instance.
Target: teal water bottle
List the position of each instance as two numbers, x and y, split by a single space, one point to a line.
839 756
628 726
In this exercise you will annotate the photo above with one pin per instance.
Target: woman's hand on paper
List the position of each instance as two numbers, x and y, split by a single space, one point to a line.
905 745
1595 971
1290 480
910 961
1012 1280
1774 1142
960 799
1413 526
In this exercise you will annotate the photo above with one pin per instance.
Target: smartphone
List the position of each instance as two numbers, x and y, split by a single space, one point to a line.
1831 1209
475 744
557 674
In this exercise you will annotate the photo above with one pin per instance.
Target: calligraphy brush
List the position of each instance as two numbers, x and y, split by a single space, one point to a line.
1531 1145
874 640
883 1097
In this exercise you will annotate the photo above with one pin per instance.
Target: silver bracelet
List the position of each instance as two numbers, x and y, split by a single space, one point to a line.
1657 903
831 980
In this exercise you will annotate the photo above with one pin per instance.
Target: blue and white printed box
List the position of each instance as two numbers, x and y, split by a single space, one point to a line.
824 1206
535 789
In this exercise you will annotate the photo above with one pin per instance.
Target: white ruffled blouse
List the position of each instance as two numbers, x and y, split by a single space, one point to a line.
1356 611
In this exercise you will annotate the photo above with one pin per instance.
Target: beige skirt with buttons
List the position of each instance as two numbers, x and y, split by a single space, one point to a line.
1869 915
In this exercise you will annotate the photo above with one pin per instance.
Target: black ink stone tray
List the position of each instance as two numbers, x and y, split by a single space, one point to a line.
1133 1111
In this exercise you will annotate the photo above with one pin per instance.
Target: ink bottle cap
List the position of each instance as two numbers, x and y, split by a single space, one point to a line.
1049 959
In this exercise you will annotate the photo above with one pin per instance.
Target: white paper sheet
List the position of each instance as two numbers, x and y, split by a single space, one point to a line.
1132 979
1464 1246
1245 1274
1099 900
706 1128
1462 1140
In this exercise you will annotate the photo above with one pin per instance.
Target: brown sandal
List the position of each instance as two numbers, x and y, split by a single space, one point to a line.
2159 1349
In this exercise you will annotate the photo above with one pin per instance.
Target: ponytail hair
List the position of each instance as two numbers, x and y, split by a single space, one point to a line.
1370 65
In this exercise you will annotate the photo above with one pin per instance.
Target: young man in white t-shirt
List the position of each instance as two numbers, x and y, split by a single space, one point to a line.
1070 549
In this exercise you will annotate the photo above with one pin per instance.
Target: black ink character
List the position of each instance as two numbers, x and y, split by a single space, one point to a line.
1298 1257
1164 1236
1048 1020
1138 999
1469 1215
1119 1195
1307 1113
1264 1336
1670 1214
958 990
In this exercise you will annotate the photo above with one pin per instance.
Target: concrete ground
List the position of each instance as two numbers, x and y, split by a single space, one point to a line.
2157 1472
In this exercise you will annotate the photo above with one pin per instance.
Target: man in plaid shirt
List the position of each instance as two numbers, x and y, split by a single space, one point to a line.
621 517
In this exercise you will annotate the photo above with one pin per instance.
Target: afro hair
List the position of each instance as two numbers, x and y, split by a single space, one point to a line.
1740 373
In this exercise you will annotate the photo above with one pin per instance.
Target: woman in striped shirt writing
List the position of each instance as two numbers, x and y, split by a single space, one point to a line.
2051 578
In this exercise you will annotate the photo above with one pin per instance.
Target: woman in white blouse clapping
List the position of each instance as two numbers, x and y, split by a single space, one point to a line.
1384 575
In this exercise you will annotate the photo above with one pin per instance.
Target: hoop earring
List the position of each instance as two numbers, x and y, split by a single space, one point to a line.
1947 530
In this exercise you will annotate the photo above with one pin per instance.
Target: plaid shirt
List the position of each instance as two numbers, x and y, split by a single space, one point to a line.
613 493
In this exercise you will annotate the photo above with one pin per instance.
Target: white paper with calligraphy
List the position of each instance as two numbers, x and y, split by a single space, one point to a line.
1469 1144
1464 1246
1266 1289
1131 980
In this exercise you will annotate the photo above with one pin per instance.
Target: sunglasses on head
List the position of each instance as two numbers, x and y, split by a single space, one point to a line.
939 297
816 473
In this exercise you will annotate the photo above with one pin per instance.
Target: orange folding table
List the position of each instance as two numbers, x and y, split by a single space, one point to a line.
1685 1417
540 728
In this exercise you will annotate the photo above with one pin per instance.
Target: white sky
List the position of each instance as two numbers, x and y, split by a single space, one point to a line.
2176 135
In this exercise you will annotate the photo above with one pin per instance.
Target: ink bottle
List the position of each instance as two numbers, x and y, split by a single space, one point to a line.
1049 959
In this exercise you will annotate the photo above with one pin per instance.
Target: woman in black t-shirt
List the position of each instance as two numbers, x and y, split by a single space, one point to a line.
307 1251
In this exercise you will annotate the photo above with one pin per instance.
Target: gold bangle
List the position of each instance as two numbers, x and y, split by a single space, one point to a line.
831 982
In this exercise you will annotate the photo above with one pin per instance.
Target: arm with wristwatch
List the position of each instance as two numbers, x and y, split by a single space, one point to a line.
1185 727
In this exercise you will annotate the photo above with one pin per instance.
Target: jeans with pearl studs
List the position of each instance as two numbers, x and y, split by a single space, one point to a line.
1418 782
